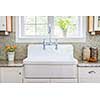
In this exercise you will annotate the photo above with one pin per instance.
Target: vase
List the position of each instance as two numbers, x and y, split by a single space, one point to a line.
64 33
11 56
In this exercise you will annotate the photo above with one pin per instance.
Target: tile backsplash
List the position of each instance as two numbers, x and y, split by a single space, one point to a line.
21 51
10 40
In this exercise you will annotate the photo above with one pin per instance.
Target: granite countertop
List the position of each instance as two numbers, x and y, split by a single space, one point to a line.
17 63
88 64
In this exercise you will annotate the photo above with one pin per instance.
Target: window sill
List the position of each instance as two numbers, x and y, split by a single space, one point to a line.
40 40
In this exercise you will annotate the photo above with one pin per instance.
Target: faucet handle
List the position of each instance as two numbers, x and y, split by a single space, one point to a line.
56 41
44 43
56 44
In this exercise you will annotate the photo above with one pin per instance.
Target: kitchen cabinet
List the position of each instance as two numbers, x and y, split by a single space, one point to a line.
9 24
90 24
11 74
97 23
2 23
94 25
89 74
5 23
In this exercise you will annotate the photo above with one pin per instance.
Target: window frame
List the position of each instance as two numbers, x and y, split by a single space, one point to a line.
37 39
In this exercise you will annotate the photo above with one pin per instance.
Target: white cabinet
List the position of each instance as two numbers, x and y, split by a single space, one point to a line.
2 23
89 74
11 74
96 23
6 24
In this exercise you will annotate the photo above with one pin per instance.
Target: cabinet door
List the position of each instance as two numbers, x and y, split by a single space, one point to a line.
2 23
97 23
89 74
11 75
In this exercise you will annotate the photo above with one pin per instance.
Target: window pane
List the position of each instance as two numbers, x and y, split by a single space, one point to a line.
66 26
35 25
29 20
29 29
42 30
42 20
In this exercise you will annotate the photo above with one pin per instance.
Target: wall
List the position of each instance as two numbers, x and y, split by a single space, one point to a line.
21 51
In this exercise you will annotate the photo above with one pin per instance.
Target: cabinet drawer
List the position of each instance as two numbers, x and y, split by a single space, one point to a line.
89 72
11 74
2 23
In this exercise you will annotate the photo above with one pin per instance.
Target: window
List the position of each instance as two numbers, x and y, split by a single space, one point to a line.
64 28
35 25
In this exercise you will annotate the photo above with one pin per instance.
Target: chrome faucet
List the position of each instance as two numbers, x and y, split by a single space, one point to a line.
50 43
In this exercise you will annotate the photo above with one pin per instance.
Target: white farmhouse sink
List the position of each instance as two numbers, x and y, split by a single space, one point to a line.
49 64
36 54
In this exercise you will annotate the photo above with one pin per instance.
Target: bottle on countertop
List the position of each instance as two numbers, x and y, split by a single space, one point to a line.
94 54
86 53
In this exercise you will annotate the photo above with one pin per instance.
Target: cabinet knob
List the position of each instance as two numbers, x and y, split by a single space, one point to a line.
3 24
19 73
91 72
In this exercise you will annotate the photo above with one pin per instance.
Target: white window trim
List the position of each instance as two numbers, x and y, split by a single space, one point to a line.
19 39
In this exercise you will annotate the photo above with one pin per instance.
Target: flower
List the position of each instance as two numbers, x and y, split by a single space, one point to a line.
15 46
10 48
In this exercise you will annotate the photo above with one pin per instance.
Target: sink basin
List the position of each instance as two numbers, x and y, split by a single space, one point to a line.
36 54
50 63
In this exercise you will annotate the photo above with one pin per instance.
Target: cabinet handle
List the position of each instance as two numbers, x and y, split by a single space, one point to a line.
19 73
90 72
3 24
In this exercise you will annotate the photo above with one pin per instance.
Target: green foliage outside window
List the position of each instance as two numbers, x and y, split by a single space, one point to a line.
66 24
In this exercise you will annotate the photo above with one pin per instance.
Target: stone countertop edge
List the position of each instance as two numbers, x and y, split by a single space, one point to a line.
88 64
17 63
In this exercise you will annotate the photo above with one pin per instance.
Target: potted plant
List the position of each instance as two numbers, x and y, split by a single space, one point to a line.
10 52
65 24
